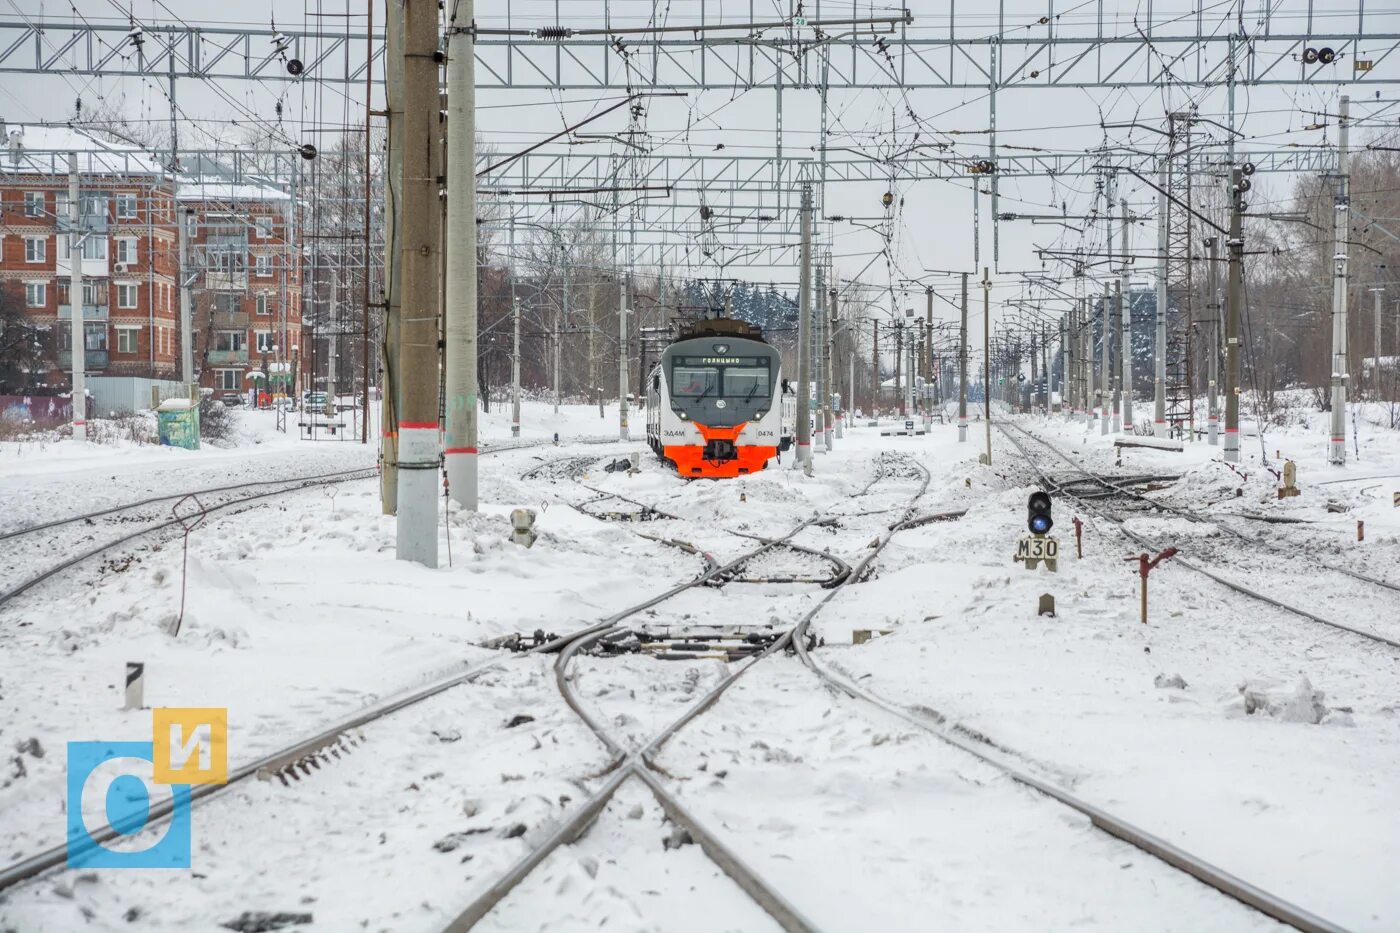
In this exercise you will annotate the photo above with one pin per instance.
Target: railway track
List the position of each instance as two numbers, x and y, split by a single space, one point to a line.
633 758
1114 502
314 748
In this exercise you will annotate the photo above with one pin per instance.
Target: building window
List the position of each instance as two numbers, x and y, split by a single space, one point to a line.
191 225
226 261
228 302
36 249
262 266
264 341
91 294
126 250
230 340
36 294
126 295
126 340
126 206
94 336
264 305
228 380
263 225
34 204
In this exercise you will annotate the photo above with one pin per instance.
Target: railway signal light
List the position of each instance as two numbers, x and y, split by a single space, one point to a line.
1038 518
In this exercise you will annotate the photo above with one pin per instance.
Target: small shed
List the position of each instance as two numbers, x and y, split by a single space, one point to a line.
179 423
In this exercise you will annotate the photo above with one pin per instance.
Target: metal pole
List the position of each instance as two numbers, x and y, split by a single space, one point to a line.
1213 350
962 367
1159 348
1125 324
78 356
804 340
460 309
1233 293
420 255
1337 447
1090 395
875 367
987 357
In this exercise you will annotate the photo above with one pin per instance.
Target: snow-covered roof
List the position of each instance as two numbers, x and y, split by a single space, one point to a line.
206 188
43 150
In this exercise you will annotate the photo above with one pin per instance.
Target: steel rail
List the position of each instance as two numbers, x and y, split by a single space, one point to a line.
638 762
58 522
1184 561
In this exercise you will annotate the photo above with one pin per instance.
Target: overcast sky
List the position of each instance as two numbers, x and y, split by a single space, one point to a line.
934 227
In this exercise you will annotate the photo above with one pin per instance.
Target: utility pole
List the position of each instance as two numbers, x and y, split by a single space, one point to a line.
962 367
1125 325
622 283
1106 362
930 374
1341 205
898 362
559 324
515 368
420 255
1234 286
1213 363
78 354
830 374
987 356
1376 346
460 349
875 368
1159 348
390 382
1090 396
804 338
818 414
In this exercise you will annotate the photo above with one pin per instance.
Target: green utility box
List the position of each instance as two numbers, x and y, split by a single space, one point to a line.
179 423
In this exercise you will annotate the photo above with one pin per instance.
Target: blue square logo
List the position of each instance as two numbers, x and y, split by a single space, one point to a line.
115 780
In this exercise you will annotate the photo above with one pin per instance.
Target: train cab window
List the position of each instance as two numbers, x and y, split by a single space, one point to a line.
694 381
746 382
656 383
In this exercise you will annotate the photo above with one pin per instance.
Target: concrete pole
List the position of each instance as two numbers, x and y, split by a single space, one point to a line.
515 368
460 310
1125 324
420 255
875 373
559 328
804 339
1234 288
78 356
1106 362
1213 351
1337 446
851 382
987 357
962 367
391 383
1159 348
1086 316
622 311
830 369
1376 347
819 370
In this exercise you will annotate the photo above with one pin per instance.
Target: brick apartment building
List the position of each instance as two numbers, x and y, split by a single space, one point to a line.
242 263
130 306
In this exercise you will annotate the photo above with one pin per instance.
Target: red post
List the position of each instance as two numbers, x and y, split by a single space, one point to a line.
1078 537
1145 566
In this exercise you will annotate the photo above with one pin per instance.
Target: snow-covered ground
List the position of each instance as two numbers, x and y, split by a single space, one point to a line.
298 615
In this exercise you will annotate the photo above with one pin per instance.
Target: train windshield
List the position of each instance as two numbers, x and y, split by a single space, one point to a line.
746 382
694 381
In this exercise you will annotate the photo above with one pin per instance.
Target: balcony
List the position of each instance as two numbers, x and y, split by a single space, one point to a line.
230 320
225 357
92 360
90 312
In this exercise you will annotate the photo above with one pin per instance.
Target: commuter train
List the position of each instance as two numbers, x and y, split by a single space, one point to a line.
717 403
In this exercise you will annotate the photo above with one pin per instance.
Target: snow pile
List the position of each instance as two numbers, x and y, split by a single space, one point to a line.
1303 703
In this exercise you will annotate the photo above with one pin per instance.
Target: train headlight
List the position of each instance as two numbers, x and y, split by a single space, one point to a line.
760 414
683 415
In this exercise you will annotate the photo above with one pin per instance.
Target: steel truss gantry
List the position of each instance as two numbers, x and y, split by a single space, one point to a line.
1034 47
